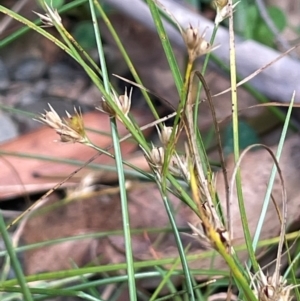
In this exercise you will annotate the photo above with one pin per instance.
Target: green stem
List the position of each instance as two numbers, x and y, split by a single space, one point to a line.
180 248
126 57
235 119
14 260
125 211
204 67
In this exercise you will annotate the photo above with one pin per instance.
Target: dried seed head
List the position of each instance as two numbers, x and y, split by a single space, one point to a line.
196 44
220 3
76 122
268 288
106 108
179 166
223 10
50 18
202 234
71 129
155 159
157 156
191 37
123 102
164 134
51 118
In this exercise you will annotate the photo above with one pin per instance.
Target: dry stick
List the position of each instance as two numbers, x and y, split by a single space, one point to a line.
255 73
205 216
192 141
282 230
284 253
7 20
43 197
267 104
218 136
221 155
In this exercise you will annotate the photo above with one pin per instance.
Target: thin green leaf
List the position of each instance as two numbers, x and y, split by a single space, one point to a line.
167 46
14 260
180 248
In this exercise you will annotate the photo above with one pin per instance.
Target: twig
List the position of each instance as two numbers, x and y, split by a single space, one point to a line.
7 20
250 54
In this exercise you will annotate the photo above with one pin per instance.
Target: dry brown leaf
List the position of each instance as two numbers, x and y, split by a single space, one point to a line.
17 171
146 210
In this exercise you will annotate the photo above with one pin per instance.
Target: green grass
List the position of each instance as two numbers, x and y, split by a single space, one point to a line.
189 178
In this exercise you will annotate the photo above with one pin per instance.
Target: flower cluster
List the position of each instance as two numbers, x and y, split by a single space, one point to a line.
269 288
123 102
195 43
50 18
201 232
223 10
70 129
178 165
182 166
